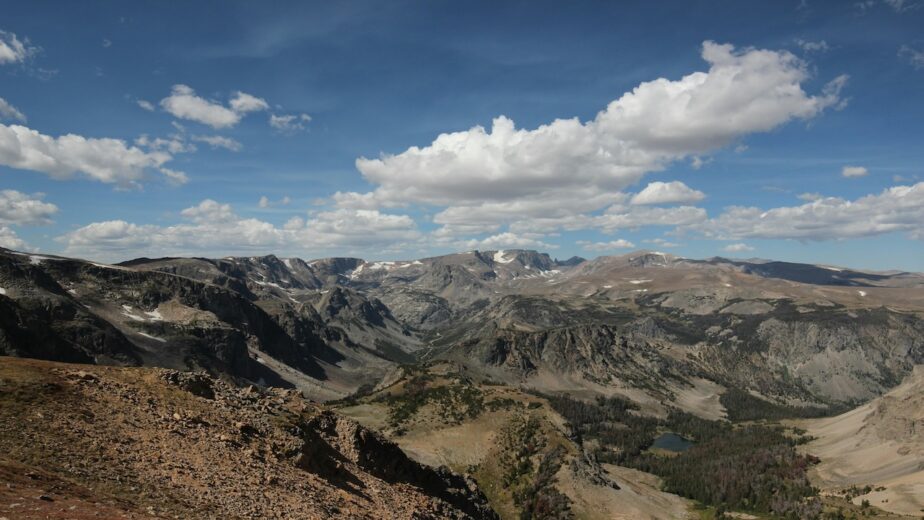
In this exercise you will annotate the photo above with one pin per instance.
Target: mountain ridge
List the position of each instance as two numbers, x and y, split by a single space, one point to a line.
329 326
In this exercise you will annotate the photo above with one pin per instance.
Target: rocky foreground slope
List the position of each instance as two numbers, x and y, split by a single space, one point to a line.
81 441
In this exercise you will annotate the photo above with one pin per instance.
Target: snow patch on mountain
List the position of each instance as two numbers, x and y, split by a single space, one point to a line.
501 259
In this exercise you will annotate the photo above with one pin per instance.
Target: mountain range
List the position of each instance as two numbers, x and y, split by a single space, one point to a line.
719 339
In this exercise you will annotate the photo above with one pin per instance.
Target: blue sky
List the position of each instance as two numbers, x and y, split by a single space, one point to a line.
784 130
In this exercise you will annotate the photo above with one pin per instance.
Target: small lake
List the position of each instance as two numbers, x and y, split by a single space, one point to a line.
672 442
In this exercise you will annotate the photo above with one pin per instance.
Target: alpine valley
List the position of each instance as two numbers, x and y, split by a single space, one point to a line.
485 384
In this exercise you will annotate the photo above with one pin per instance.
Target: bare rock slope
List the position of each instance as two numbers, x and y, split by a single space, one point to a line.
880 445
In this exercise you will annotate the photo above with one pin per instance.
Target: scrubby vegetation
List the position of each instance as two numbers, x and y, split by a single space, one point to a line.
354 398
520 441
619 433
746 467
455 400
502 403
754 468
742 406
532 486
541 499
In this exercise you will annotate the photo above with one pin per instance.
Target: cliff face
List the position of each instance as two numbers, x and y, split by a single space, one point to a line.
826 357
68 310
151 441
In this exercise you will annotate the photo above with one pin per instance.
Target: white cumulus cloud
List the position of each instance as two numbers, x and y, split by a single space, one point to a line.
505 240
243 102
105 160
658 122
14 50
360 228
558 175
854 171
21 209
184 103
896 209
211 227
618 217
354 200
10 240
667 193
